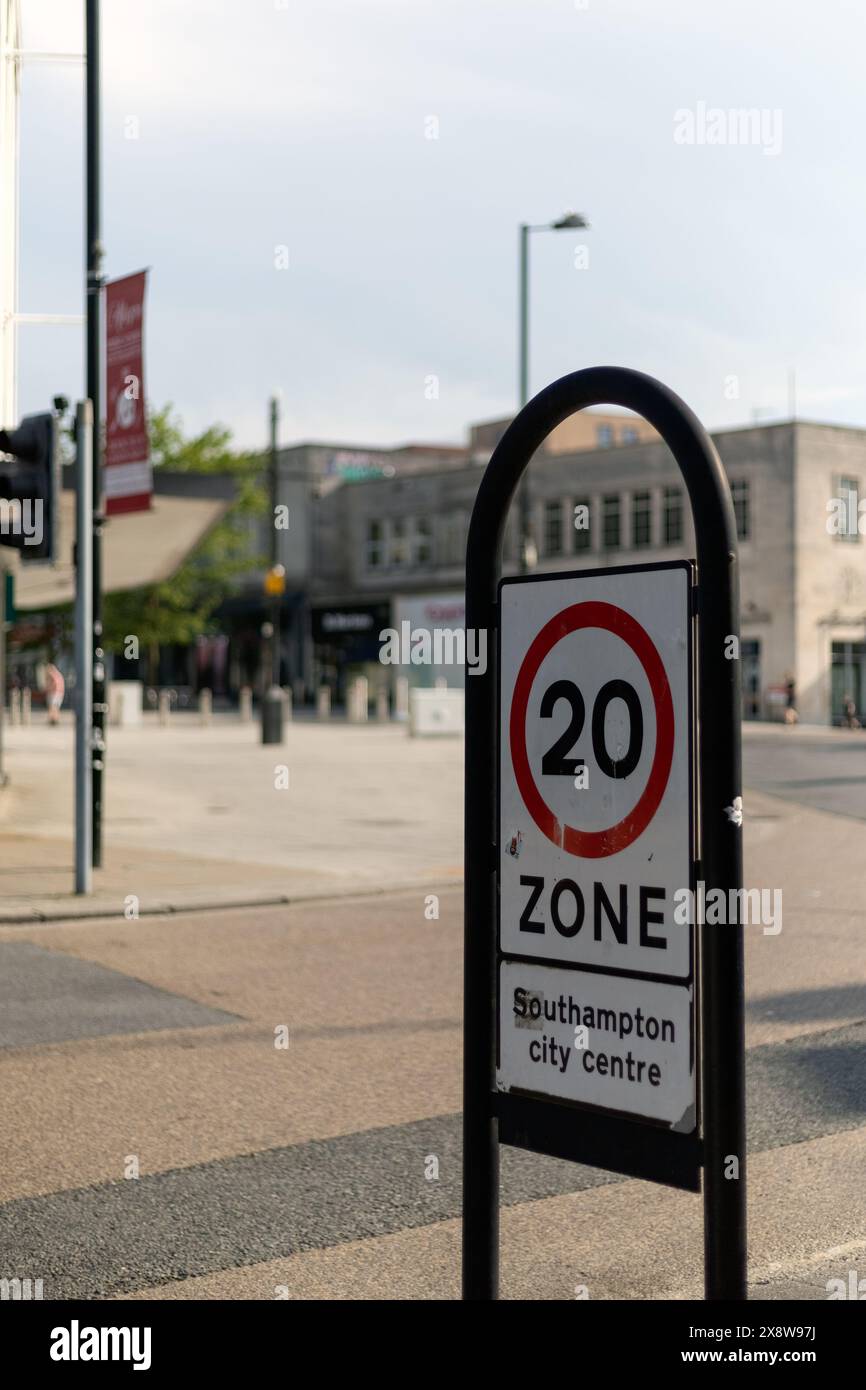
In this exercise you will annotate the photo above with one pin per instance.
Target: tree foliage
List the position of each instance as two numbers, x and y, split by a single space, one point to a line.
182 607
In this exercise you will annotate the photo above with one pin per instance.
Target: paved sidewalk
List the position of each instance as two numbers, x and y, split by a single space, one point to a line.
194 817
42 872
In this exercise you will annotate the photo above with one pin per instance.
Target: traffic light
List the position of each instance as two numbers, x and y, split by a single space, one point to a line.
30 487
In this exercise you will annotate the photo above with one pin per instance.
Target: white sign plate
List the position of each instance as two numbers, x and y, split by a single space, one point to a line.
595 814
603 1040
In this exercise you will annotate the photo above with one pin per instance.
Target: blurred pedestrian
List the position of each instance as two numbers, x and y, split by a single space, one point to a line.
55 688
849 712
791 715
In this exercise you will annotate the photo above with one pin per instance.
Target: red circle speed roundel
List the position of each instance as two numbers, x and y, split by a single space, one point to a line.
594 844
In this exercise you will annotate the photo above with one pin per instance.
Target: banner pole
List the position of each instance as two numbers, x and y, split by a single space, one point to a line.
83 647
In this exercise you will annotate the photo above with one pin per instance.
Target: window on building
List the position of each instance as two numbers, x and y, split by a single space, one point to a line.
604 436
641 520
610 522
398 548
629 435
848 681
375 547
848 493
740 495
581 522
750 674
553 528
455 538
423 541
672 515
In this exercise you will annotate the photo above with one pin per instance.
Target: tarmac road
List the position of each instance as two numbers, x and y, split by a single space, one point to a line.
305 1171
821 768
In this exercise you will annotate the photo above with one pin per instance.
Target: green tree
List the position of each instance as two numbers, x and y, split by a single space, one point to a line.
182 607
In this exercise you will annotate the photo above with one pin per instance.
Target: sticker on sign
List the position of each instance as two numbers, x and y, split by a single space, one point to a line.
595 800
602 1040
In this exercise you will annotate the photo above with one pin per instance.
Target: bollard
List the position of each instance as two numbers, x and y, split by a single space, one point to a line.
357 702
245 705
164 706
26 700
323 702
383 711
15 705
287 703
401 698
273 702
205 706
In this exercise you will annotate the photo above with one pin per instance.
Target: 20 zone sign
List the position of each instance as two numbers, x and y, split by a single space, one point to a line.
595 755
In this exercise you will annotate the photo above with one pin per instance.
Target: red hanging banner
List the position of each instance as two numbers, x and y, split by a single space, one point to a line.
128 474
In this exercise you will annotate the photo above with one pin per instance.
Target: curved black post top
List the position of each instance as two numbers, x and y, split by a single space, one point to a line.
678 426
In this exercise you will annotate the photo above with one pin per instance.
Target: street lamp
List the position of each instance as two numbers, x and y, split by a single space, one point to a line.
274 587
568 222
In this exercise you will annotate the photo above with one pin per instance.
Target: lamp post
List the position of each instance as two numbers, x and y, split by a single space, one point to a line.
273 699
276 573
93 358
570 221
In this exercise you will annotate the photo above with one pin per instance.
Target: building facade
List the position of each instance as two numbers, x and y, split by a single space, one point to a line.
376 538
585 429
397 544
313 481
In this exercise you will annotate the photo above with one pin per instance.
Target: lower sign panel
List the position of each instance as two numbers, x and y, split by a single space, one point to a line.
612 1042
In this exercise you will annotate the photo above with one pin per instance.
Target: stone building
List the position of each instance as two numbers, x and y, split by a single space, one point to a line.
397 544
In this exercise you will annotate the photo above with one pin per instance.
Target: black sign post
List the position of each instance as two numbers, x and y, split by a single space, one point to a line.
614 1141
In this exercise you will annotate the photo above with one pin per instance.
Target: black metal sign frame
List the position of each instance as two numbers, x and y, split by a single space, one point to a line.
619 1143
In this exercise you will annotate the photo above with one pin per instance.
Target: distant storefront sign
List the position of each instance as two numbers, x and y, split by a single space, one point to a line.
128 474
335 626
433 614
354 467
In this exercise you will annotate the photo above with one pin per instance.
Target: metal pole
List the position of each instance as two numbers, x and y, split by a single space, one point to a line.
524 504
275 549
523 382
83 643
480 1126
721 948
94 254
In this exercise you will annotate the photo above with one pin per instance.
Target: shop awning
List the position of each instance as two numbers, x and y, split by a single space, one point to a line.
139 548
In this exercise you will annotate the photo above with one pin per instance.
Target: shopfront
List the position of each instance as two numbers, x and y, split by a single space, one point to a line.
346 644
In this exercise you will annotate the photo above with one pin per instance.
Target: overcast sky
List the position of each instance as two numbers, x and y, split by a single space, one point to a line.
716 267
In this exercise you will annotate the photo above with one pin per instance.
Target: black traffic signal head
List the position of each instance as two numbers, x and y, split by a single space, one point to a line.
30 488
